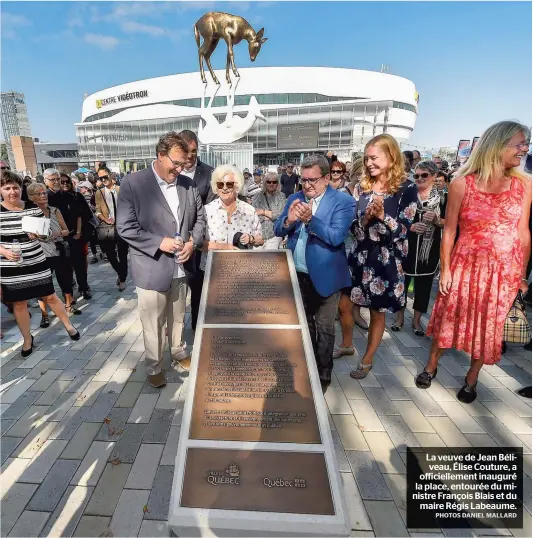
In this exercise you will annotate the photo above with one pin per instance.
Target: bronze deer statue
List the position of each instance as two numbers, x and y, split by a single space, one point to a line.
213 27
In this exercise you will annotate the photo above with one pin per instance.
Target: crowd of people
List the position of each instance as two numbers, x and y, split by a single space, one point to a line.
360 233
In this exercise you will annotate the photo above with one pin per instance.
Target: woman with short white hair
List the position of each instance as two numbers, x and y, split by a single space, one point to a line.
269 205
231 223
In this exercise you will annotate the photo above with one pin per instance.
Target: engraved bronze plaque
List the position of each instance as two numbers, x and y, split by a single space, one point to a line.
253 385
257 481
250 287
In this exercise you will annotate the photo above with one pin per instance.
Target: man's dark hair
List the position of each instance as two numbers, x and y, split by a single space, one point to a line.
39 178
7 177
171 140
189 136
444 165
441 173
417 152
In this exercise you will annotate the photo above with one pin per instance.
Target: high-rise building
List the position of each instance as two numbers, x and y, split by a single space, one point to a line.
15 122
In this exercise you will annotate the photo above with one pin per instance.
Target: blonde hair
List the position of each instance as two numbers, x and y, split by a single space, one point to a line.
227 170
270 176
356 170
486 159
396 175
33 188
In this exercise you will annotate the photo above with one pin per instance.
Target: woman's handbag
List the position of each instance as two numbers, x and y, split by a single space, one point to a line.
516 329
63 249
104 231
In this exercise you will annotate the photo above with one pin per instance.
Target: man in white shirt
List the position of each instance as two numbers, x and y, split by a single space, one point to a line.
154 205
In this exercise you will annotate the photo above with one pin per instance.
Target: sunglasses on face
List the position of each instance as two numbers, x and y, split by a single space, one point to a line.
423 175
336 172
66 182
4 167
272 182
103 178
229 184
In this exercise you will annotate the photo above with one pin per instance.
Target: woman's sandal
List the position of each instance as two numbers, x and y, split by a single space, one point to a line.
423 380
361 371
468 393
418 332
71 310
394 327
45 322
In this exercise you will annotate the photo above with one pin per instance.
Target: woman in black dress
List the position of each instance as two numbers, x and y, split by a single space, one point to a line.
386 209
25 273
424 243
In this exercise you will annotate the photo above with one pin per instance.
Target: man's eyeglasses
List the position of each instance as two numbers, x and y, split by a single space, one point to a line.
311 180
519 146
103 178
272 182
176 164
229 184
423 175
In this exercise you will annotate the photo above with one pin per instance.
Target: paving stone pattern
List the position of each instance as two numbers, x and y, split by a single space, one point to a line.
88 447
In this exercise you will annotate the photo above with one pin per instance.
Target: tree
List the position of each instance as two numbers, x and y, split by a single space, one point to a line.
3 152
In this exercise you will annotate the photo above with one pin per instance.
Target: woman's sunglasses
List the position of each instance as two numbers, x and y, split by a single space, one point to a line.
336 172
229 184
423 175
272 182
66 182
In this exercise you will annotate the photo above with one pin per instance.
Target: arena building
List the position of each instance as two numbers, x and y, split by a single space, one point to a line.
308 109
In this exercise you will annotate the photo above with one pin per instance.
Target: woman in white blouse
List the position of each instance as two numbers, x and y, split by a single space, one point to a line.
227 215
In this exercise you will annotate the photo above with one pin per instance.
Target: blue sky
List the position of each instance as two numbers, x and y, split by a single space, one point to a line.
471 61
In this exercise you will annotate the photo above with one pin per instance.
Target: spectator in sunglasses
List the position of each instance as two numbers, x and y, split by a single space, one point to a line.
231 223
112 245
78 243
338 175
269 204
424 243
72 212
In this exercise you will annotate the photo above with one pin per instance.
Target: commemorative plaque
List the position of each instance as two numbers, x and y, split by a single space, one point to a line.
255 455
247 288
265 481
253 385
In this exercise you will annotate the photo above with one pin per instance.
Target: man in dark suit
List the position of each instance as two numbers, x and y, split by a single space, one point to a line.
154 205
200 173
316 221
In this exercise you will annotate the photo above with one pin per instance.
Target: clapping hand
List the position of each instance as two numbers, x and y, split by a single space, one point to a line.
244 239
304 211
418 228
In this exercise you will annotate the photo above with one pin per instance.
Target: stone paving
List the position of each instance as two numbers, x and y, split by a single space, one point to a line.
88 446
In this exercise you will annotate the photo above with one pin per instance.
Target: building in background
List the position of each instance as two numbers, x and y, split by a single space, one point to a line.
24 155
15 122
62 157
308 110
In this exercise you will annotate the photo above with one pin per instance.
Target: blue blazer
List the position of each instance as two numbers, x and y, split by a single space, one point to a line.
325 255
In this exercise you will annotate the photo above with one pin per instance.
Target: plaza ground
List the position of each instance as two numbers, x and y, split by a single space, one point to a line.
88 447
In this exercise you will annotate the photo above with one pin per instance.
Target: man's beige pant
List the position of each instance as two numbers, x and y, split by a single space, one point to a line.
157 310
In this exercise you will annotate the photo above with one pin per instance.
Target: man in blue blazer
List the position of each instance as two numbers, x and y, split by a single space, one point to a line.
317 220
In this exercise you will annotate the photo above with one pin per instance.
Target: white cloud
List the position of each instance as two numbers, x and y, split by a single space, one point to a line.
105 42
133 27
11 24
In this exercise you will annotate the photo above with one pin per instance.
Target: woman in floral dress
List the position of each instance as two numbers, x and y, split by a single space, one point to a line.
481 275
386 209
